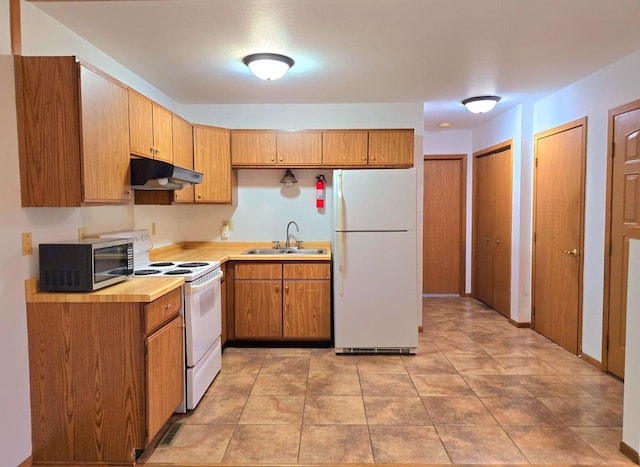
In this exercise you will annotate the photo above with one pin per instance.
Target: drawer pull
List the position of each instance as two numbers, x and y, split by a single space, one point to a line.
166 307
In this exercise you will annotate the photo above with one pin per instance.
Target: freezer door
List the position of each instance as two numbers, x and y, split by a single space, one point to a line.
377 200
375 290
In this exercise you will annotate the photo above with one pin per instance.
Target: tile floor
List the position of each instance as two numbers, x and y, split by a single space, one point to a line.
479 391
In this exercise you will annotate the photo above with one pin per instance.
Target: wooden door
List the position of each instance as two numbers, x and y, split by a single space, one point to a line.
444 225
105 146
165 375
484 241
391 148
183 156
558 233
306 310
258 309
162 134
624 223
253 147
344 148
212 158
299 148
140 125
502 202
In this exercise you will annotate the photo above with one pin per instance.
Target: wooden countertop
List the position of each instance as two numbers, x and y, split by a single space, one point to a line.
136 289
227 251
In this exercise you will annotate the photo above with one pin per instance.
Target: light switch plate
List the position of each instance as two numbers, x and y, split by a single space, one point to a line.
27 246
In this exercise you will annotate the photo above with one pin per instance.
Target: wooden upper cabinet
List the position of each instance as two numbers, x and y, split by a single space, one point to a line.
391 148
105 159
72 134
344 148
253 147
299 148
150 128
140 125
183 156
212 158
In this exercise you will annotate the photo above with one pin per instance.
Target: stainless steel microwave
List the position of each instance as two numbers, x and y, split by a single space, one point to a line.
85 266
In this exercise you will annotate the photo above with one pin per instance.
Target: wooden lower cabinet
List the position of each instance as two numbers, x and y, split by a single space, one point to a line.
105 377
282 300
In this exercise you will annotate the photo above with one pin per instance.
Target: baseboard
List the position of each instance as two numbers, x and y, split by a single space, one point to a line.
28 462
519 325
466 295
420 329
629 452
591 361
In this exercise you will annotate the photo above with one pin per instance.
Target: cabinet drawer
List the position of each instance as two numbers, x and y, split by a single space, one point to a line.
259 271
160 310
307 271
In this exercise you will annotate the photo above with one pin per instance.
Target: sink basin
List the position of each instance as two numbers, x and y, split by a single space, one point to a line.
285 251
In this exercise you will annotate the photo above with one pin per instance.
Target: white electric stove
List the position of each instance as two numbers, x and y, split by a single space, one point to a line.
201 307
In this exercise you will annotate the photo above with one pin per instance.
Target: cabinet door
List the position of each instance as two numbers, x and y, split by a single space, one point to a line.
258 309
105 148
211 157
165 375
253 147
344 148
391 148
140 125
162 134
299 148
183 156
307 309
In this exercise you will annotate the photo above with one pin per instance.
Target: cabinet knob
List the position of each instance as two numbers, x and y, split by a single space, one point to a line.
364 158
276 288
373 158
272 159
286 288
199 196
281 159
167 306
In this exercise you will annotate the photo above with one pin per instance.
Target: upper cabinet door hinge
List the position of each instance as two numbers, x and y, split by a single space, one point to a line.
534 236
536 162
613 149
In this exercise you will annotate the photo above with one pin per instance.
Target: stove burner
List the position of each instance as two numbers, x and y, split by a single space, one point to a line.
192 265
178 272
161 265
146 272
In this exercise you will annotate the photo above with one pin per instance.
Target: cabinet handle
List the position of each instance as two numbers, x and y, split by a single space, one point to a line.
199 196
498 242
286 288
276 289
151 149
166 307
373 158
281 159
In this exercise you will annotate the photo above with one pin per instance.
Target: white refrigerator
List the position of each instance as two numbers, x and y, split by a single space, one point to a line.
374 248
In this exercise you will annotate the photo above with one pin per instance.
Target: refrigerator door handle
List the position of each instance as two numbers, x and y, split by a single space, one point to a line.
340 199
341 262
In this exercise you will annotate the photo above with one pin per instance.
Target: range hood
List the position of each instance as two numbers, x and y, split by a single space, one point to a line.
150 174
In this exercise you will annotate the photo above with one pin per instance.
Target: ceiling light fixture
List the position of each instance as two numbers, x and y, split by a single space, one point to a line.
480 104
268 66
289 179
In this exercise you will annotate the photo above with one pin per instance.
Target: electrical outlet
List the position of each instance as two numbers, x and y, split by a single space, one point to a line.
153 228
27 246
228 224
82 233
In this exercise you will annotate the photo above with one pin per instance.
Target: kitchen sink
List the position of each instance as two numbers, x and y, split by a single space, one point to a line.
285 251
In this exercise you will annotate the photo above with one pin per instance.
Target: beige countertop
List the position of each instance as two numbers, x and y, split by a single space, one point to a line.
136 289
231 251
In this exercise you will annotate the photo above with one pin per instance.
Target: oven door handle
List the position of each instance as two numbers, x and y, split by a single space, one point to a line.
216 278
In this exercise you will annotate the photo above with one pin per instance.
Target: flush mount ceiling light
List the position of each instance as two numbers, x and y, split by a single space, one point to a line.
268 66
480 104
289 179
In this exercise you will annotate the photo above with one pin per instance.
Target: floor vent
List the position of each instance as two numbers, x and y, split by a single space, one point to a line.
170 435
376 350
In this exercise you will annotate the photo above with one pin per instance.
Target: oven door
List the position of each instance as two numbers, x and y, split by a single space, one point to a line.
203 315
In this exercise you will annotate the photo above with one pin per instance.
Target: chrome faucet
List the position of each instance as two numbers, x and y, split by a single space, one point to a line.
287 243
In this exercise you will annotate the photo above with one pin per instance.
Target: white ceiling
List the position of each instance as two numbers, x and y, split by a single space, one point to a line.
432 51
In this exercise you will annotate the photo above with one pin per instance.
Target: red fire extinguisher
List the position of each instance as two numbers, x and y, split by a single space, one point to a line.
320 191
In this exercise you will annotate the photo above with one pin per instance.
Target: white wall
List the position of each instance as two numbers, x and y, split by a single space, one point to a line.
593 96
456 142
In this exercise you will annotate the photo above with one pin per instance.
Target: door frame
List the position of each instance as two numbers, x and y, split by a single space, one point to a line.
503 146
634 105
538 136
463 212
